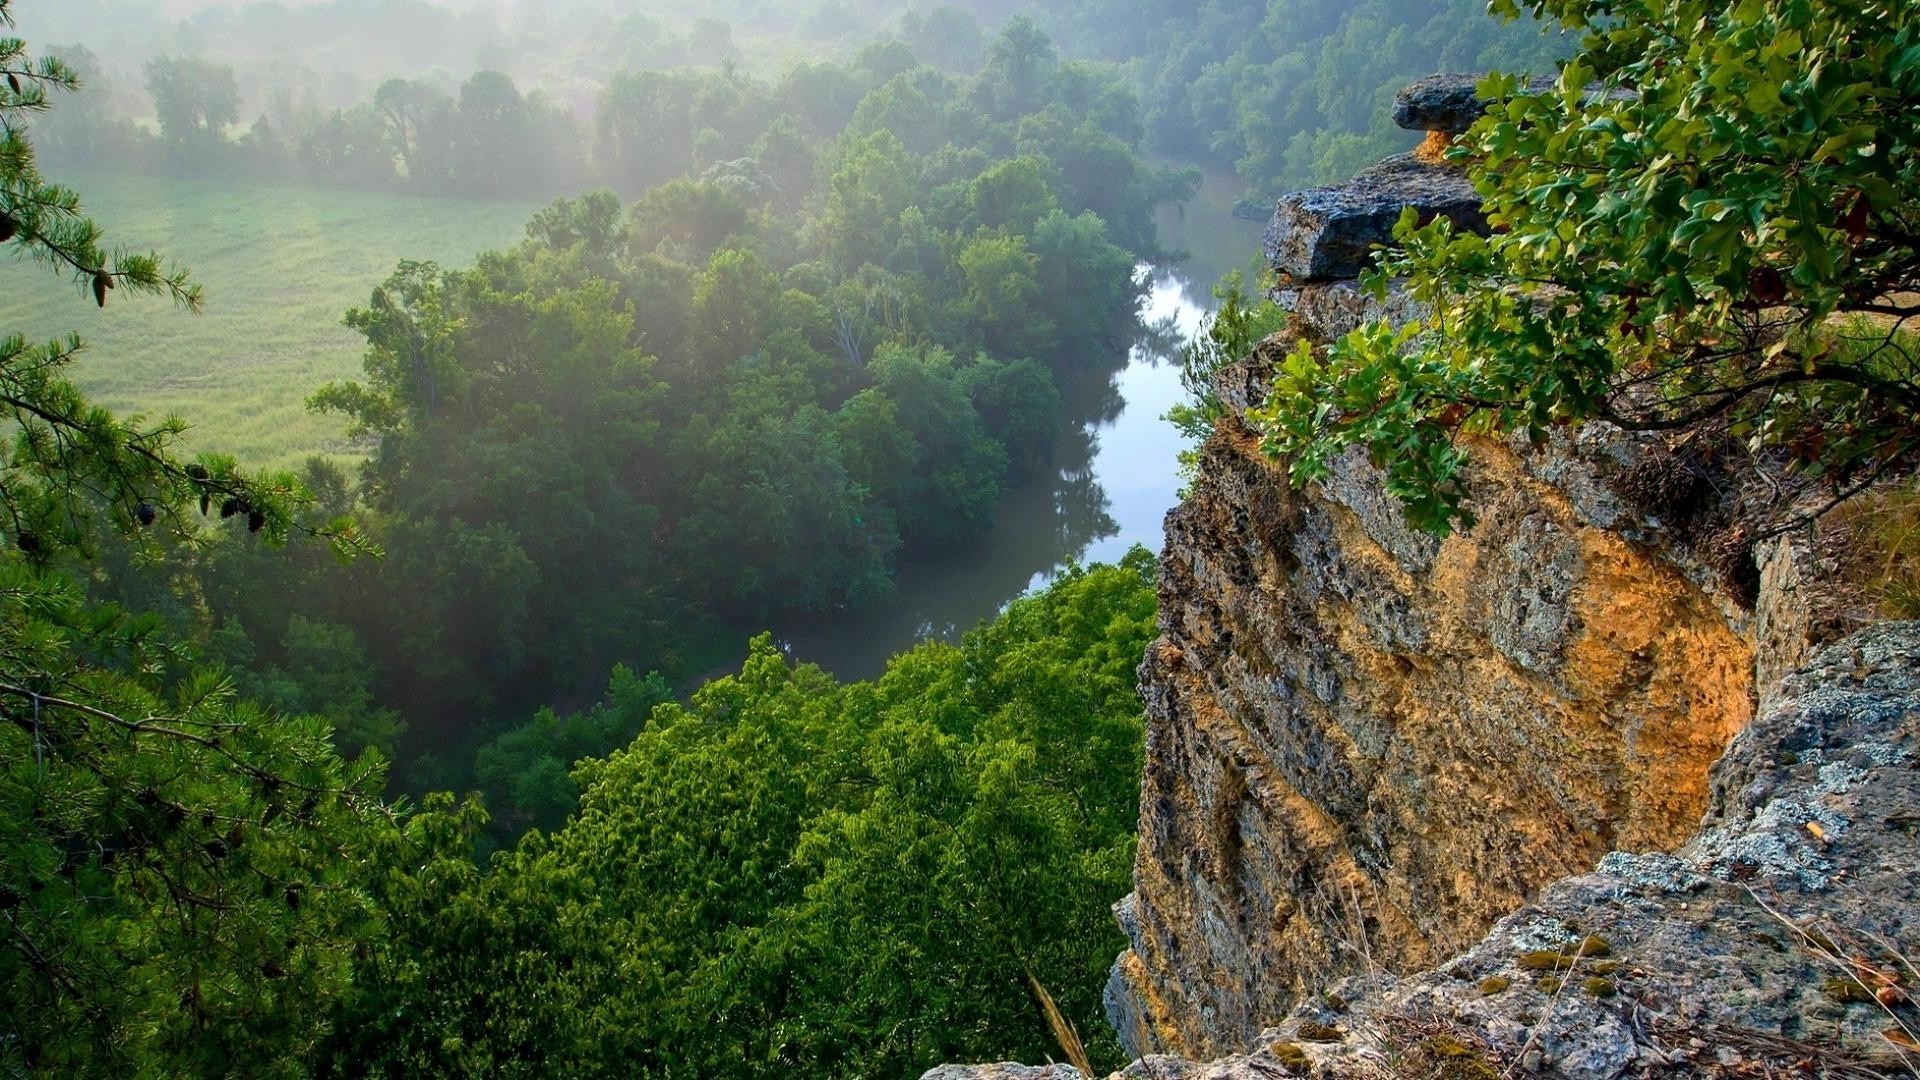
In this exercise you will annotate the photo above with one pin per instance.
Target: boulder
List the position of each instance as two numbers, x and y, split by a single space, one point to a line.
1329 233
1447 103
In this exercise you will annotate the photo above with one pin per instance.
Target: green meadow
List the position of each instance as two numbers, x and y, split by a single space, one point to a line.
280 266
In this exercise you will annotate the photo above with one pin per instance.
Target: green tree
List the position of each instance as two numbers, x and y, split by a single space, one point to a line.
196 102
320 669
946 37
643 129
685 220
1014 194
955 472
1020 60
869 186
170 873
85 129
1003 290
792 875
1688 230
419 127
524 774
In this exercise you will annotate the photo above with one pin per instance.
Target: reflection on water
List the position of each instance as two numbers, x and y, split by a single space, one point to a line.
1113 479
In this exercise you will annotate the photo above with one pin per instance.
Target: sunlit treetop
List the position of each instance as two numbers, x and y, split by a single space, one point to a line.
1712 220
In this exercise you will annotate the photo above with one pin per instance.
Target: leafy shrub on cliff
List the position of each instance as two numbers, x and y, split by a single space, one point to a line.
1224 337
1713 218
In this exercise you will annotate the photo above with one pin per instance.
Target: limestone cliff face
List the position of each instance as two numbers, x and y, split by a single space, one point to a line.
1366 745
1401 792
1770 944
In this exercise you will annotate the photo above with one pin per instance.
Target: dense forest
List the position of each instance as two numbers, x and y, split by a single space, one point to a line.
444 763
750 391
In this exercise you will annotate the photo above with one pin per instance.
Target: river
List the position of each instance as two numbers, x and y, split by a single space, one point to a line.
1113 478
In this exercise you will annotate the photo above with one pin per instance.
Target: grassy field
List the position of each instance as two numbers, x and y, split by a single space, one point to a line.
280 266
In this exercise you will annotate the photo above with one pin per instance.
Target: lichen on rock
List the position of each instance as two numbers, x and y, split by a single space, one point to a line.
1365 744
1498 804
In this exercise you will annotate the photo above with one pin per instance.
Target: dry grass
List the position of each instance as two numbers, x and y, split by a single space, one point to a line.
1867 968
1883 530
1064 1032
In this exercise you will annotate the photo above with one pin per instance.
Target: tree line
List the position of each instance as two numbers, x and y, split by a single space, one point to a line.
752 391
1285 94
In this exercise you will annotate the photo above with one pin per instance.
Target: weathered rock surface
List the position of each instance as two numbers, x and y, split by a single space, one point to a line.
1447 103
1330 309
1439 103
1366 745
1329 233
1753 950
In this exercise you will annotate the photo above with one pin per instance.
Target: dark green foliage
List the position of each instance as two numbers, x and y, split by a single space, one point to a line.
791 875
319 669
172 886
168 854
524 774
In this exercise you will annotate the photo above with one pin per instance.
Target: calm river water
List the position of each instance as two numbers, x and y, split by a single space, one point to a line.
1113 479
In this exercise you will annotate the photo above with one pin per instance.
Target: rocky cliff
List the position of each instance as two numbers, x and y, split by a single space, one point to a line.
1382 768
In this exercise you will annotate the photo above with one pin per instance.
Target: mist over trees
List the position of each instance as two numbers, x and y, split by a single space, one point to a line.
1283 93
831 330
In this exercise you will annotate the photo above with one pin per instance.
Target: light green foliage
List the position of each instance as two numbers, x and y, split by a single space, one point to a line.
791 875
1671 250
1003 292
1226 336
1014 194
